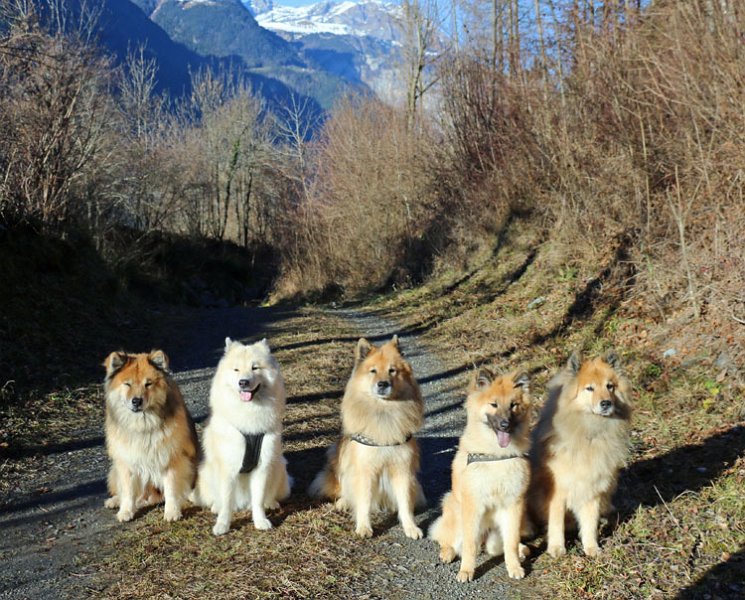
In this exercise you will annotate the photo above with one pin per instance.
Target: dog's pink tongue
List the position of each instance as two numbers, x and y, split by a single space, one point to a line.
503 438
246 396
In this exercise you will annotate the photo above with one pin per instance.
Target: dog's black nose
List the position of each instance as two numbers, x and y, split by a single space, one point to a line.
383 385
504 424
244 383
136 402
606 404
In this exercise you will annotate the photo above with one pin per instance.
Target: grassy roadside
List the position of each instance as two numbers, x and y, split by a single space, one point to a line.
680 528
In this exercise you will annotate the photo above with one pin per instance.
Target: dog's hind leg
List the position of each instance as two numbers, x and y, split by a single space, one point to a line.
112 502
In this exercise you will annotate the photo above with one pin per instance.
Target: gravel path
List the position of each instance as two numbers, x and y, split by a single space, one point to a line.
413 568
53 519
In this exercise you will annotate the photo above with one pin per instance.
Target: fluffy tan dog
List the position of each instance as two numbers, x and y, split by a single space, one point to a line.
374 465
490 476
579 446
150 436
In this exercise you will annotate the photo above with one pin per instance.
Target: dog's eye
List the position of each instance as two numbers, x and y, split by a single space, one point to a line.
494 404
611 387
590 388
513 405
255 367
129 385
374 371
236 370
391 371
148 384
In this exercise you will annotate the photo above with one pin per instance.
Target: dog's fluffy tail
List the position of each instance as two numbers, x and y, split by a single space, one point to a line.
326 483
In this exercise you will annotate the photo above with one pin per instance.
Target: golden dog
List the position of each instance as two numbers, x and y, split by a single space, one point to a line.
579 446
490 476
374 465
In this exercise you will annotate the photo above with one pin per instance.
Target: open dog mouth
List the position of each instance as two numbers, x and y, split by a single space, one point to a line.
247 395
502 428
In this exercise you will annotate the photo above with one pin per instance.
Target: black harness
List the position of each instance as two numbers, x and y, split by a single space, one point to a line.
253 451
366 441
476 457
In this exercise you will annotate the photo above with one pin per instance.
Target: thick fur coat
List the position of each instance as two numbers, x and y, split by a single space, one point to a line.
579 446
150 436
247 397
488 495
374 465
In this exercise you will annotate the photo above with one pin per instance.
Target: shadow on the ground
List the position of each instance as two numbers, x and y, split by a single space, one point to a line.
725 580
651 481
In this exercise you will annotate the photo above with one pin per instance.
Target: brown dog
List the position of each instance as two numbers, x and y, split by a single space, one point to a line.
374 465
150 436
579 446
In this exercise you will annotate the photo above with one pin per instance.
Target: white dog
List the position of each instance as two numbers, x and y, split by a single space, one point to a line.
243 465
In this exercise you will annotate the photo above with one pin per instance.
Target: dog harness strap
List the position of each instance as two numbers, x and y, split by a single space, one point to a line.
253 451
366 441
476 457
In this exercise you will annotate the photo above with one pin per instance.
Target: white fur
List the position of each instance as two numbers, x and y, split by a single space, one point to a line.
220 485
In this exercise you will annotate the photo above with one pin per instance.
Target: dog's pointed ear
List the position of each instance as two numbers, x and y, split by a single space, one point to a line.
363 349
574 362
483 378
522 380
397 344
264 343
228 343
158 359
612 358
114 362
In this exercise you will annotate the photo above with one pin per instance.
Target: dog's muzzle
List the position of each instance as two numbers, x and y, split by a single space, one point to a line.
502 427
244 390
135 404
383 388
605 408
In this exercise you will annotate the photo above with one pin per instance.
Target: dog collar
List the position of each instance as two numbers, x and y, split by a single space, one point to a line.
366 441
252 452
477 457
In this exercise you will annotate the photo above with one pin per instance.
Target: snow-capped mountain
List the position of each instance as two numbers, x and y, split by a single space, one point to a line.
360 40
374 18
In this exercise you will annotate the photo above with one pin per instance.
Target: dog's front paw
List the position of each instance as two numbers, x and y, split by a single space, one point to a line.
364 531
341 504
262 523
220 528
112 502
557 551
515 571
447 554
413 532
592 551
271 505
125 514
172 513
464 576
